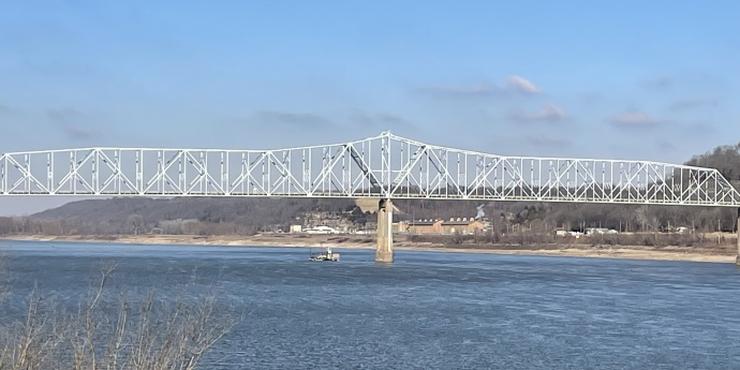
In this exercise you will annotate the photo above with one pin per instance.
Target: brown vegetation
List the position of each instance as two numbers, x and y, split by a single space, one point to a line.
151 335
715 243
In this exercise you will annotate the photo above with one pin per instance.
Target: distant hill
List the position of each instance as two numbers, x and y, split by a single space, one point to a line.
203 209
232 215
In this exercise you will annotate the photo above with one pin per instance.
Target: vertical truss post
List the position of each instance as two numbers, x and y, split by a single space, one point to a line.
27 175
50 173
3 178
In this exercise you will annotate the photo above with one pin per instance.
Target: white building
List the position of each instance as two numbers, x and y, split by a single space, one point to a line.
321 230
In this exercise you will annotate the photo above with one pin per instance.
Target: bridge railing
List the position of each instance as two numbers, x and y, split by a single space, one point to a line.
383 166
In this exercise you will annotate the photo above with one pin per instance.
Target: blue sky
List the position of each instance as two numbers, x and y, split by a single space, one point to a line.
629 79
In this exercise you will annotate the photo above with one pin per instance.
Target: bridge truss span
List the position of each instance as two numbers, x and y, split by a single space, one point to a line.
385 166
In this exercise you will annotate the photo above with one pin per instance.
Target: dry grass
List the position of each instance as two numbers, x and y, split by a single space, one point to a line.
722 243
152 334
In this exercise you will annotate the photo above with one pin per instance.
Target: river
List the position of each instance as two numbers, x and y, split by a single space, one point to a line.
428 310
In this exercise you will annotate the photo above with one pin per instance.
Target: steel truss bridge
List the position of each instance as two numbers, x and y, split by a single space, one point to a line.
386 166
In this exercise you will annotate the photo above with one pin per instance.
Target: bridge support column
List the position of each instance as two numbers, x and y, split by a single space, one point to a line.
737 258
384 248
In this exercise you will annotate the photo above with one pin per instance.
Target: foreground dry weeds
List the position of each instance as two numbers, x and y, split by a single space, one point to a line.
151 335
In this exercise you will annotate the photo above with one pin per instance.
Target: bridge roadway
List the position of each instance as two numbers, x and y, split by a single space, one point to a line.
385 167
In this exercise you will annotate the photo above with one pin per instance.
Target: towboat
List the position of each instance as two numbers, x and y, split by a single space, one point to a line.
327 256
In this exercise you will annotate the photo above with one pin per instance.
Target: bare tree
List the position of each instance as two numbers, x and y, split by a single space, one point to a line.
155 335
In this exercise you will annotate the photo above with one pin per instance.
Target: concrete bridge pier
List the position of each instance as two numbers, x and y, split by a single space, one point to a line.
384 248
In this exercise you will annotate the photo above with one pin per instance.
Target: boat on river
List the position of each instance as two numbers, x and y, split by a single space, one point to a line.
326 256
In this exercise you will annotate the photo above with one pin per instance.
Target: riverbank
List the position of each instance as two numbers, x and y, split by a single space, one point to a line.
694 254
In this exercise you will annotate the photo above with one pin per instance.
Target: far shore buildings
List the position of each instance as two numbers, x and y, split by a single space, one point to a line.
454 225
318 222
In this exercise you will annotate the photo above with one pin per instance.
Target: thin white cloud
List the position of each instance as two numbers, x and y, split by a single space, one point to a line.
379 121
634 119
290 120
73 123
691 104
483 89
660 83
522 85
513 85
548 113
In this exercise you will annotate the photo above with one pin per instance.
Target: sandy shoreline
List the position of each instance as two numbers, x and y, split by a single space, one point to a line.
367 242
